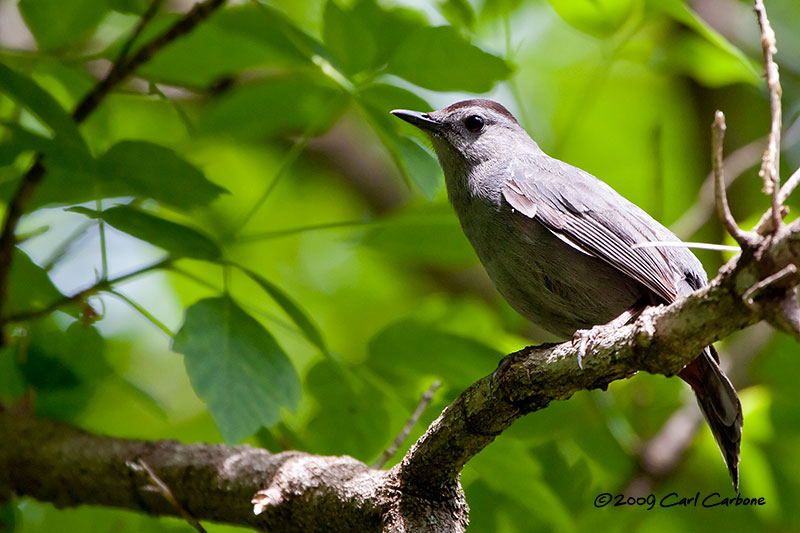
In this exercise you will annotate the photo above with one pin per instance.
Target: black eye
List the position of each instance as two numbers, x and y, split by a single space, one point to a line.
473 123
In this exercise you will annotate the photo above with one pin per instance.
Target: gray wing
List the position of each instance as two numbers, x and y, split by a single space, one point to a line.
589 215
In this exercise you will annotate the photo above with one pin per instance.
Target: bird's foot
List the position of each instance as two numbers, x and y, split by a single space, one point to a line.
582 337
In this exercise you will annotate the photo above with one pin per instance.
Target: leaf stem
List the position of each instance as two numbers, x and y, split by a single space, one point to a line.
142 311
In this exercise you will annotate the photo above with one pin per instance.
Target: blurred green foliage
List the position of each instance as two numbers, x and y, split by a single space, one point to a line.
316 281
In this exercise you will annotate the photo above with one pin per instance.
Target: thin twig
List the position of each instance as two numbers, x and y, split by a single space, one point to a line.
96 287
147 16
119 72
144 312
770 166
162 488
735 164
723 210
301 229
748 296
789 187
403 435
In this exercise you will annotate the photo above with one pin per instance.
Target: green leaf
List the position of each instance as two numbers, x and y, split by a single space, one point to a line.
680 12
65 367
403 142
508 463
390 27
224 46
380 98
136 7
29 285
272 28
705 61
428 234
499 8
45 108
56 23
407 350
350 42
298 316
458 13
276 106
350 416
236 366
419 164
58 153
442 60
12 383
149 170
600 18
177 239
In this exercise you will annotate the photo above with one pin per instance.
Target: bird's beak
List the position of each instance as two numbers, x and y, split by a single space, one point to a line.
421 120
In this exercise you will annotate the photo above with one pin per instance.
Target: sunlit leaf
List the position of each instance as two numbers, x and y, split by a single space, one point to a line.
442 60
706 62
221 47
458 13
74 20
152 171
29 286
67 143
736 60
600 18
129 6
390 27
236 366
349 41
177 239
279 105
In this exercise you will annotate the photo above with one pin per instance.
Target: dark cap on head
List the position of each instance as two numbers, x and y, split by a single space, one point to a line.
479 102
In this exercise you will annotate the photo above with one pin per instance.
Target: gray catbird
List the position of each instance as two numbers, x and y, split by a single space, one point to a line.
557 242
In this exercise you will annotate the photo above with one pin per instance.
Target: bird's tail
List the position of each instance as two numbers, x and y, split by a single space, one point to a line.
720 405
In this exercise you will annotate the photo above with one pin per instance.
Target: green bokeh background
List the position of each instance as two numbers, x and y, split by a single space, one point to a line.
291 98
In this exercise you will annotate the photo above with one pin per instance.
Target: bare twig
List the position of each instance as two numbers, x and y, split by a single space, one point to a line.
787 189
790 185
403 435
160 487
119 72
101 285
147 16
770 170
723 210
749 296
735 164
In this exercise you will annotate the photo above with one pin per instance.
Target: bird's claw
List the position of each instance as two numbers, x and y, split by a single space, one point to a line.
582 337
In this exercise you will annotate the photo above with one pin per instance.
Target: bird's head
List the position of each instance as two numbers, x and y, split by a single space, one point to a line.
469 133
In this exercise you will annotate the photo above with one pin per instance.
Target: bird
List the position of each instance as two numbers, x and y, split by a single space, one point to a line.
559 244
